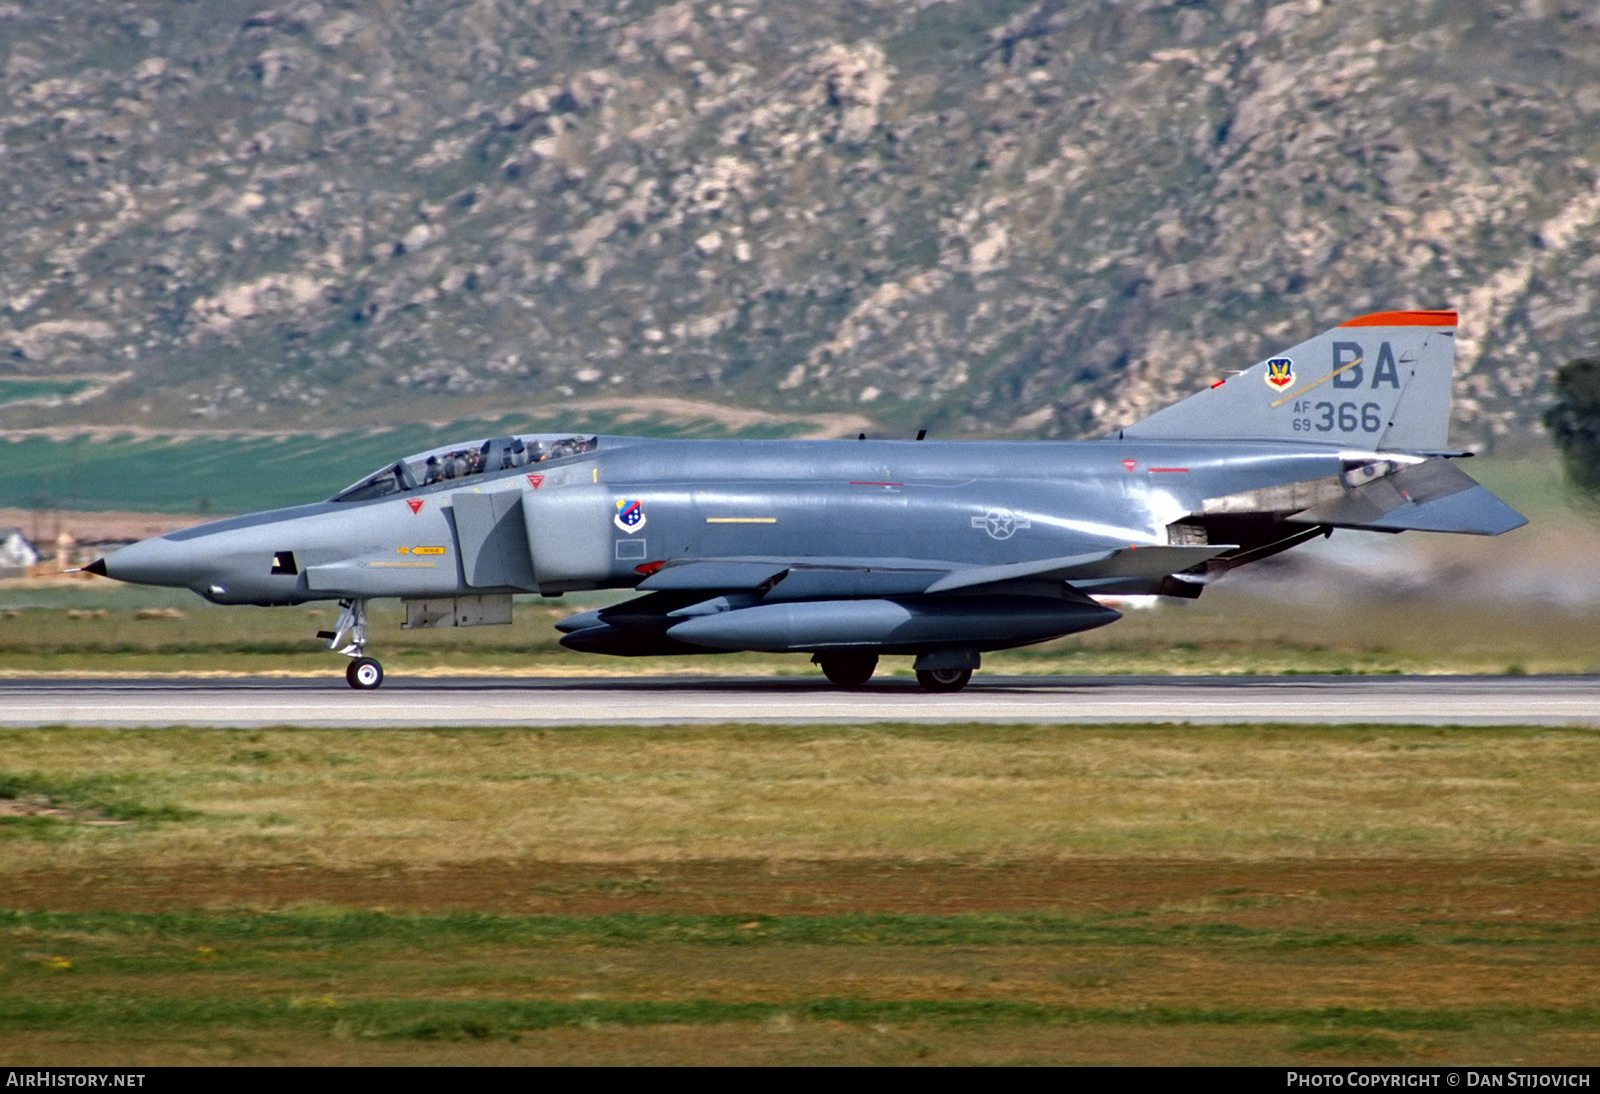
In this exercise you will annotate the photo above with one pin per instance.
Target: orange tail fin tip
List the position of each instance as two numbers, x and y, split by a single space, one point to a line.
1404 319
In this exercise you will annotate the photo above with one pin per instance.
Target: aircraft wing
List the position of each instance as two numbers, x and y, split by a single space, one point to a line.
1151 562
823 578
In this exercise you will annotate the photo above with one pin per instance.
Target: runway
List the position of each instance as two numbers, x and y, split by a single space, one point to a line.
253 703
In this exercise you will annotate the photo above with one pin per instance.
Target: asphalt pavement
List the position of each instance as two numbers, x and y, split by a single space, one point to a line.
253 703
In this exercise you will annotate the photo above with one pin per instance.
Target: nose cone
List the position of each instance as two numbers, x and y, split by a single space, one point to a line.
157 561
226 565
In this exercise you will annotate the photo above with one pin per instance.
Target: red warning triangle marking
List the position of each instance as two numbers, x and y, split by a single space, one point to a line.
415 503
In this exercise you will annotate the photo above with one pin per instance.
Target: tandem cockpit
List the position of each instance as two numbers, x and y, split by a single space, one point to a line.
453 463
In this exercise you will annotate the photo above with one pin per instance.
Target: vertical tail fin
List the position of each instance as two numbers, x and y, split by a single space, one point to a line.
1378 382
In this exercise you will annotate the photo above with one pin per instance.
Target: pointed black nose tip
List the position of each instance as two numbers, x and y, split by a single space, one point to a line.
97 567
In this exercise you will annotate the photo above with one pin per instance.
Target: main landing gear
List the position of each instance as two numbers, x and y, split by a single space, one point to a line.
364 673
944 679
848 670
853 670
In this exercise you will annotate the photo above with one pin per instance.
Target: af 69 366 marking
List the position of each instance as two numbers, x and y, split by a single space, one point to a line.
1346 417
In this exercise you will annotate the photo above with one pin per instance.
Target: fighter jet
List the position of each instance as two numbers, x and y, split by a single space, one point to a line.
851 550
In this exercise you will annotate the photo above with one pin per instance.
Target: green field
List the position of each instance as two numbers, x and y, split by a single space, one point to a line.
889 894
16 391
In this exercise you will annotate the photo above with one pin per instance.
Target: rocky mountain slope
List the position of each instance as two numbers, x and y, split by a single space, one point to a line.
1040 217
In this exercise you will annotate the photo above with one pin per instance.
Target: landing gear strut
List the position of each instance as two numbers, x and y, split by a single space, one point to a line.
364 672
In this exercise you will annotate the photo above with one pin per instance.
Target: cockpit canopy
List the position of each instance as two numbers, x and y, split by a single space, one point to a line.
463 461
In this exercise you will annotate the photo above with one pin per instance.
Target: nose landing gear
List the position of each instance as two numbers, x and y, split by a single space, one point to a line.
364 673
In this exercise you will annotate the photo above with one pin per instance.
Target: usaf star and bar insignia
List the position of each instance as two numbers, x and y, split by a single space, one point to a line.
1001 523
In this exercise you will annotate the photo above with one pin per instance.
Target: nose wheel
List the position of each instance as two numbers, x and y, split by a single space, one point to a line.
364 674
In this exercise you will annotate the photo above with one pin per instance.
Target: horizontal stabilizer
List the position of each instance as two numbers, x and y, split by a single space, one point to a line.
1432 496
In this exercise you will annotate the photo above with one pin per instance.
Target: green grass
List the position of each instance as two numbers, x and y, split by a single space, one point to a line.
279 796
156 941
872 894
436 1020
329 978
15 391
102 797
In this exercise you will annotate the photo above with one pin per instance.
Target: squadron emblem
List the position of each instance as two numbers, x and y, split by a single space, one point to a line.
1280 373
630 514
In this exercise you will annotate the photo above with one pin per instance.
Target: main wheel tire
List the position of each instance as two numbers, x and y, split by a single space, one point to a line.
364 674
849 670
944 679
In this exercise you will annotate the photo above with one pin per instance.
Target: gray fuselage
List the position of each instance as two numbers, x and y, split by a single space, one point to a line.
560 525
